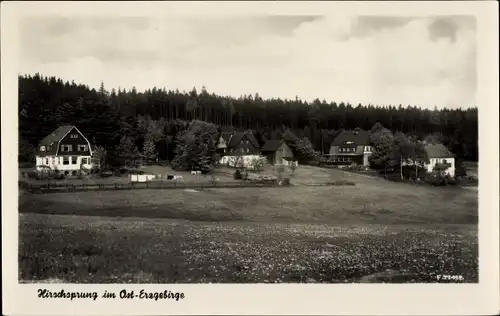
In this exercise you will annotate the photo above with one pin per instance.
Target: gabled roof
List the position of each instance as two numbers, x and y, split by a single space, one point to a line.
226 136
56 135
52 140
437 151
272 145
236 138
360 138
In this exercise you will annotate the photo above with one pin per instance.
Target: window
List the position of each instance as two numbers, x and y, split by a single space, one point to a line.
241 149
66 148
348 142
232 149
73 160
46 161
65 160
85 161
82 147
42 148
248 150
55 160
444 161
73 136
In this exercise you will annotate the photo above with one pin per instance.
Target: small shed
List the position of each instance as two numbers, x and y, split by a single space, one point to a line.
277 151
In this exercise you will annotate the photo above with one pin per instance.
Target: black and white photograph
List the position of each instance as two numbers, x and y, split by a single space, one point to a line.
269 148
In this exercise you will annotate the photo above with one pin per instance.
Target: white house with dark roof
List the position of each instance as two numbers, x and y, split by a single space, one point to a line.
351 147
438 154
238 149
65 149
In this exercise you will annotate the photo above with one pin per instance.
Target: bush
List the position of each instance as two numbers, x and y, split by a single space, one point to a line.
286 181
409 172
280 168
58 175
106 174
460 171
435 178
237 175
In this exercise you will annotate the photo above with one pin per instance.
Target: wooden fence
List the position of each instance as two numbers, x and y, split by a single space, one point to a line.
68 187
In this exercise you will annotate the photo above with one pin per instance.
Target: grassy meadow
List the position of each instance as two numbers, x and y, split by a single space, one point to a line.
376 231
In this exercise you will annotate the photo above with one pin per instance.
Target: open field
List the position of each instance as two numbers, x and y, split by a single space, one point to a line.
373 232
159 170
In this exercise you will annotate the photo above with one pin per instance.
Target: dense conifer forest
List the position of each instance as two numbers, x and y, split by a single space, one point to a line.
157 115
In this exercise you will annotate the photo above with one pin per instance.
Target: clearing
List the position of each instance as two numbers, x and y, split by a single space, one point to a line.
376 231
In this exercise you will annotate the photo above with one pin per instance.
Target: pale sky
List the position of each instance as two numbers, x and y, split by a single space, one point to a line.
378 60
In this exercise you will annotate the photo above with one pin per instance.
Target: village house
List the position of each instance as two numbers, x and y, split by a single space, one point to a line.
440 156
66 149
277 152
351 147
238 148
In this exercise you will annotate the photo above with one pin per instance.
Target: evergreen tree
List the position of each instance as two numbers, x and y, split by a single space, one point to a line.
127 151
149 152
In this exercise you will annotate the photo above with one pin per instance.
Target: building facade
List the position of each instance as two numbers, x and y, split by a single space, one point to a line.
66 149
351 147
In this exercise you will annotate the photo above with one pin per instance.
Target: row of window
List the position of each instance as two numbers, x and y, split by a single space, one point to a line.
347 150
66 160
353 149
67 148
242 150
341 159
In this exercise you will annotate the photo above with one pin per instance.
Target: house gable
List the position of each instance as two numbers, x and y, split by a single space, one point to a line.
287 151
243 143
350 143
65 140
221 143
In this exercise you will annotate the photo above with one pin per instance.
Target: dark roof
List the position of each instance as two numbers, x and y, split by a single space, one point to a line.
238 136
56 135
226 136
437 151
272 145
361 138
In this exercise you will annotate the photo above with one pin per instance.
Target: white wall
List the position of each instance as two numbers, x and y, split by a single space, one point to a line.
433 161
231 160
56 162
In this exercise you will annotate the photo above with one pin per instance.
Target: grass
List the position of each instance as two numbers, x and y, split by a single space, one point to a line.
376 231
158 170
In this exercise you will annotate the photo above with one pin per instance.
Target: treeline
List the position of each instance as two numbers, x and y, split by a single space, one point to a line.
106 116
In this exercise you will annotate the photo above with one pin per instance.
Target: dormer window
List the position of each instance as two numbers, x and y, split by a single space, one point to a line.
42 148
82 147
66 148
